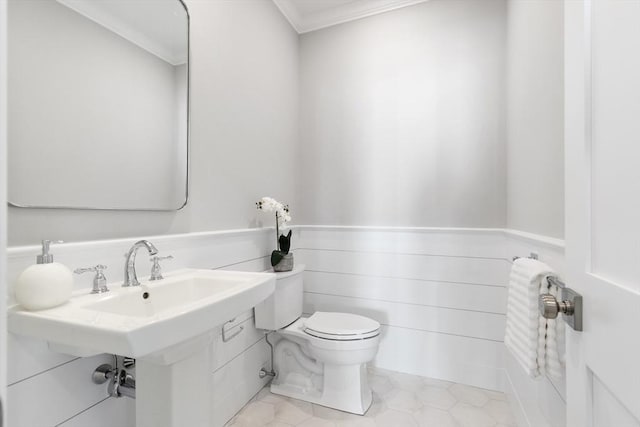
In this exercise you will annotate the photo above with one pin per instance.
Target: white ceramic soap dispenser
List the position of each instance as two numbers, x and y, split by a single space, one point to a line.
45 284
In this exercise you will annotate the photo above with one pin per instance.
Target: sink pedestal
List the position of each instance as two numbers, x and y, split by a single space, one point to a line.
173 388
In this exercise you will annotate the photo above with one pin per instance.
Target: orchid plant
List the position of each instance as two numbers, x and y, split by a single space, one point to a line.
283 216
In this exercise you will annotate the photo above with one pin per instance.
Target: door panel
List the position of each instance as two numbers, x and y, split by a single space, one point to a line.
609 411
610 347
602 159
615 127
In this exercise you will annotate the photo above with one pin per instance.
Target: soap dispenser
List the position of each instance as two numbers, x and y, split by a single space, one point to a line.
46 284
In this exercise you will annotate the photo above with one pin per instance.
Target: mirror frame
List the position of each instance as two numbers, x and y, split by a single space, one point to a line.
186 189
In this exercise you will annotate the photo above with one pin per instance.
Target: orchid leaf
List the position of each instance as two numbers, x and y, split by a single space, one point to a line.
276 257
285 242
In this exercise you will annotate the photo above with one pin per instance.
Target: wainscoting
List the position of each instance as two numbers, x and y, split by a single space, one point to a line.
440 295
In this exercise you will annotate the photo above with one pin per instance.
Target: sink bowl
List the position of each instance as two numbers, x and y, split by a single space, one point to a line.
142 320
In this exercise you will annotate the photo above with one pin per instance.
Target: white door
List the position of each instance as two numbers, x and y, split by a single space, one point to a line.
602 143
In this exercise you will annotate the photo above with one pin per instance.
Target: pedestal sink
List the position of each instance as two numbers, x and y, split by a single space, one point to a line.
166 325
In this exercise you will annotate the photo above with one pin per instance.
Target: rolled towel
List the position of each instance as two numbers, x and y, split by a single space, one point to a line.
550 357
533 340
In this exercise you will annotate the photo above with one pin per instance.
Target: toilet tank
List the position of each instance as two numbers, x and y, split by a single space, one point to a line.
284 306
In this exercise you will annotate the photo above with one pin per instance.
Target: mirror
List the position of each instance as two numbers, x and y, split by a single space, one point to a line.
98 104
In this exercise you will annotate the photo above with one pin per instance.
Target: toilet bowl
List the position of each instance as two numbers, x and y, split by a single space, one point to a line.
322 358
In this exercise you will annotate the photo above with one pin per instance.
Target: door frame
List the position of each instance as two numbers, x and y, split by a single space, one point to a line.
577 81
3 208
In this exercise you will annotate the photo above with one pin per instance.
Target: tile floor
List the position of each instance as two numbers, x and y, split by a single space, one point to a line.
399 400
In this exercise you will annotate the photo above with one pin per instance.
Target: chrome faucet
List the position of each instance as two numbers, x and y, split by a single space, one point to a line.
130 276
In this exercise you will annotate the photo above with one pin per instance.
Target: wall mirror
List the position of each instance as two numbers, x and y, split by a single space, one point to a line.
98 104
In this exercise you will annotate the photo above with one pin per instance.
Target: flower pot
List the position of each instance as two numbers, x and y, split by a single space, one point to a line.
285 264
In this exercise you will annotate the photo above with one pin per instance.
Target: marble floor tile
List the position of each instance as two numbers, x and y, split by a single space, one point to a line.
471 395
471 416
437 397
393 418
317 422
438 383
402 400
278 424
292 413
501 411
406 382
432 417
359 422
399 400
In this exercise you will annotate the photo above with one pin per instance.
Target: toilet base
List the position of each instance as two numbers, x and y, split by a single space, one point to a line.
344 387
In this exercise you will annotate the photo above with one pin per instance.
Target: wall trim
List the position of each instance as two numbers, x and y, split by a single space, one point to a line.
351 11
508 232
397 229
125 30
553 242
17 251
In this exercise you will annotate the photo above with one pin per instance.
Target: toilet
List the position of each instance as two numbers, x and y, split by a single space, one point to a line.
322 358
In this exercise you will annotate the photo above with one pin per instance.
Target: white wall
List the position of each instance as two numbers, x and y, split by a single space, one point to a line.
243 131
535 104
402 118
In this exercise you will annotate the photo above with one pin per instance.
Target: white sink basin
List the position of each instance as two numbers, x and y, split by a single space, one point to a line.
184 305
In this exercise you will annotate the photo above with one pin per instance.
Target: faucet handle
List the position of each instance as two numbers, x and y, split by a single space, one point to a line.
99 281
156 270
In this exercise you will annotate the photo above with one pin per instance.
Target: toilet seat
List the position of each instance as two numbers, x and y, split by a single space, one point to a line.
341 326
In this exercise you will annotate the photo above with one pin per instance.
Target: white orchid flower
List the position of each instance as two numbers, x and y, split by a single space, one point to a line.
269 204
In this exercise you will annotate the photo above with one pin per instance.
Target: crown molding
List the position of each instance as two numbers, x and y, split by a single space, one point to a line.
101 15
290 11
351 11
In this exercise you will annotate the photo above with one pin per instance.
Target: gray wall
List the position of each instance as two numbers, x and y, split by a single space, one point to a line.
402 122
402 118
535 150
243 131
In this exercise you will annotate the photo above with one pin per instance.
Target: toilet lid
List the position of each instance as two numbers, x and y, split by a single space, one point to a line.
341 326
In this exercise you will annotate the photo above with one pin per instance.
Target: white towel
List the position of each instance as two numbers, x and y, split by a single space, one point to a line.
550 355
533 340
